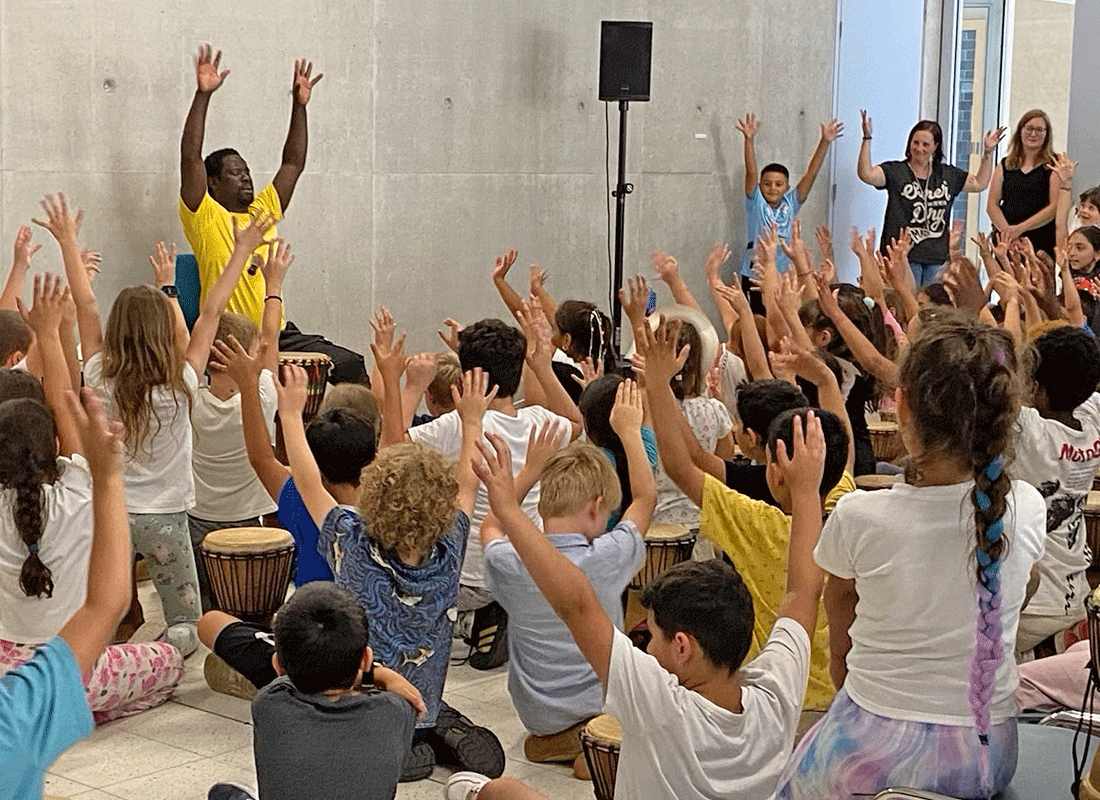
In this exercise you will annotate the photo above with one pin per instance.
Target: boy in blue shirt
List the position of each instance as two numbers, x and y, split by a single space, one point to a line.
771 200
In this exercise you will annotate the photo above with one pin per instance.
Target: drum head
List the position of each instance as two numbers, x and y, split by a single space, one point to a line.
247 540
882 426
871 482
605 728
302 358
1092 503
666 531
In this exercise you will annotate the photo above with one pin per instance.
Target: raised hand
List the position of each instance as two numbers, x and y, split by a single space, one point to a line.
451 338
735 297
633 298
231 358
539 349
495 471
627 413
538 279
389 358
420 370
164 265
104 441
303 84
504 263
23 248
91 259
1064 169
824 242
589 372
664 266
1006 286
207 75
827 270
50 296
252 235
718 255
965 286
955 238
658 347
59 222
825 297
383 325
279 259
866 121
831 130
803 469
292 390
748 126
474 399
543 442
992 138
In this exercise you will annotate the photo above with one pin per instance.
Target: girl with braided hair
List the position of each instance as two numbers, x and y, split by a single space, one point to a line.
925 587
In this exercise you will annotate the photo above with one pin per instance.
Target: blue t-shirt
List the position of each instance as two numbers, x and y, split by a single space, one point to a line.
649 441
411 609
295 517
42 712
759 217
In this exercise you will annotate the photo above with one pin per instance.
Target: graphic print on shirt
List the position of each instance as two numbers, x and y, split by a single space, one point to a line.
1062 507
930 206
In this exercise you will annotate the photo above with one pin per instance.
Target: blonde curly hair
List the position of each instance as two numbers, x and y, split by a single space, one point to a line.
408 498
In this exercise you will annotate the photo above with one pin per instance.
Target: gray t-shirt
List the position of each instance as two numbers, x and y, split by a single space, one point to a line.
923 205
311 746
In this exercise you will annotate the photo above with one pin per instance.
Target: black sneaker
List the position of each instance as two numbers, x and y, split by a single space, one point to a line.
419 763
459 743
489 637
227 790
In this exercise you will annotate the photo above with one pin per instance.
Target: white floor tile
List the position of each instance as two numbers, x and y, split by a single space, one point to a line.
190 729
112 755
185 782
95 794
62 787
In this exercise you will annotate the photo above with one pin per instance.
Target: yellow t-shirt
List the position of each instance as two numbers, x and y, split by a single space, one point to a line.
755 536
209 229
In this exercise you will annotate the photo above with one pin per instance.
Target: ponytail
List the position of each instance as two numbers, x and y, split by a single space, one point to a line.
35 579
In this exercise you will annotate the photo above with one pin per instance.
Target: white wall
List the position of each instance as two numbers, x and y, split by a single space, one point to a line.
1084 105
442 134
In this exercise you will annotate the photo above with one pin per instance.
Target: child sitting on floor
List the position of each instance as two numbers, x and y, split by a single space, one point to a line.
553 688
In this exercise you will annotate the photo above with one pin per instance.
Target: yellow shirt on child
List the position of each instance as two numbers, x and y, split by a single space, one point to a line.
755 536
209 229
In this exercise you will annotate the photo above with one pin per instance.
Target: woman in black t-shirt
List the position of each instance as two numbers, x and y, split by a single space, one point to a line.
1023 197
921 190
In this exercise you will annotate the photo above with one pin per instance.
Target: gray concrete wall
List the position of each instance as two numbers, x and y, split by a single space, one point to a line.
1084 99
442 133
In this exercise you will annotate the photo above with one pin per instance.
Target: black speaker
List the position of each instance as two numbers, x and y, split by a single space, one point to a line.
625 52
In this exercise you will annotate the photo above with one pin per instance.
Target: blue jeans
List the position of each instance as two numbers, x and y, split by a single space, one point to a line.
924 273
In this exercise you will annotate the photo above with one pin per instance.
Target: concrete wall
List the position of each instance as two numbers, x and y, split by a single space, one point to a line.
442 134
1041 61
1084 144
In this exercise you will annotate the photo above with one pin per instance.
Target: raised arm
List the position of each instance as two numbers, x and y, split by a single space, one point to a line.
471 405
561 582
802 473
756 357
979 181
748 127
163 262
1008 289
718 256
244 370
245 241
830 131
668 270
871 174
626 421
274 269
389 361
510 296
192 170
537 284
23 249
109 566
864 351
539 361
807 365
1063 169
297 138
65 227
307 477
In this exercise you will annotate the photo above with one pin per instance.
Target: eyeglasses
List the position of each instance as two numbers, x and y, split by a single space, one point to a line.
1036 131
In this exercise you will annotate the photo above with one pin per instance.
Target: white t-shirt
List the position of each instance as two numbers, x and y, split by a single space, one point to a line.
158 476
65 547
1060 462
709 421
227 489
910 550
733 375
679 745
445 435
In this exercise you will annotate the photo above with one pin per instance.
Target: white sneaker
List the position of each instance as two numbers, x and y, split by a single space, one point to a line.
464 786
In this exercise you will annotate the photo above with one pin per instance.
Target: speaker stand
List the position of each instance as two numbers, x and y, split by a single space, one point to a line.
622 189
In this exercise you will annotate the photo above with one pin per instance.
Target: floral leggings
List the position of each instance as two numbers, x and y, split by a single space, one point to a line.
126 679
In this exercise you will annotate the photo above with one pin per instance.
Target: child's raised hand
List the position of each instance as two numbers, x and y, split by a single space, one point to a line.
824 242
91 259
832 130
538 278
383 325
278 261
539 349
825 297
633 298
718 255
293 391
63 225
475 397
735 296
827 270
543 442
748 125
495 471
658 347
504 263
23 247
231 358
627 413
451 337
420 370
803 469
665 267
390 359
252 235
104 445
48 309
163 263
1007 287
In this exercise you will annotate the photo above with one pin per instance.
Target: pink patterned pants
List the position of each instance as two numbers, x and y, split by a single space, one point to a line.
127 679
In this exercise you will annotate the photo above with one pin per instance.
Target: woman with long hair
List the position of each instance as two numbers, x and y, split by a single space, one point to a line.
1023 196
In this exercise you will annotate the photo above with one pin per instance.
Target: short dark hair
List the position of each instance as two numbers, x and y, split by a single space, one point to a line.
497 348
773 167
836 442
1091 196
17 384
321 633
15 334
214 161
760 402
936 293
709 601
342 443
1065 364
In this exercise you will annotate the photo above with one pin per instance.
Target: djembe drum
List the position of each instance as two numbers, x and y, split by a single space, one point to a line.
666 545
249 570
873 483
1090 510
601 739
885 440
317 366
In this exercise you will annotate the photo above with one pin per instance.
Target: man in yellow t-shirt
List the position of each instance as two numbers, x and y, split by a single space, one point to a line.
218 190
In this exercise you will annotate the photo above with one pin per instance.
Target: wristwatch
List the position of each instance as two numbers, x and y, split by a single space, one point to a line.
171 290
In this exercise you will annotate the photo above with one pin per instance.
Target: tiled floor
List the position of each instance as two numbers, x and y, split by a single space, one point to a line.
176 751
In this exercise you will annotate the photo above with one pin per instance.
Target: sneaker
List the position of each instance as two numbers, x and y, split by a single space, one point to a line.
419 763
227 790
460 743
464 786
224 679
489 637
